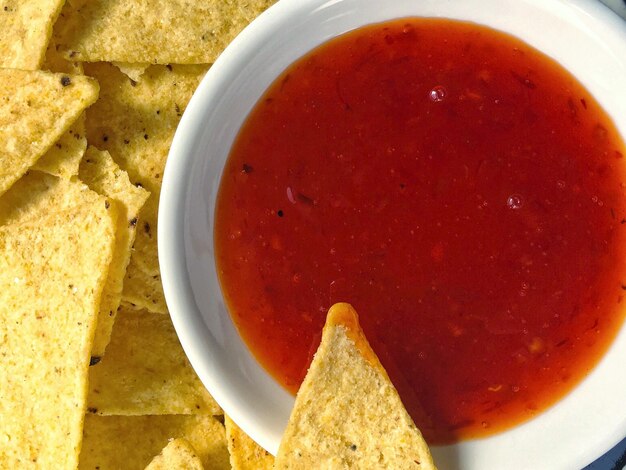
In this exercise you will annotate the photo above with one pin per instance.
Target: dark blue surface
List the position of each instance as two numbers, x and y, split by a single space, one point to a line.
615 459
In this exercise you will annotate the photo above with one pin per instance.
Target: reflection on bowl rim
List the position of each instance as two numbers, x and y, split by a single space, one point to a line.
230 89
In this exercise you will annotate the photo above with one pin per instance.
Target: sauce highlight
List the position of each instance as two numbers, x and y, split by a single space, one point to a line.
460 189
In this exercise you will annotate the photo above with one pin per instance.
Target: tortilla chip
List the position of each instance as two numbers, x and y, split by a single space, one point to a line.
52 272
145 249
135 122
130 442
36 108
26 27
142 291
33 195
103 176
55 60
63 158
157 31
143 288
145 371
245 454
347 412
177 455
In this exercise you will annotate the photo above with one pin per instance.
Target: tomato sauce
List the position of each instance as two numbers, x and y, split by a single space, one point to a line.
462 190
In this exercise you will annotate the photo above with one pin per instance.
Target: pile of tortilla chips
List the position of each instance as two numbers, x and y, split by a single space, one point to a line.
93 375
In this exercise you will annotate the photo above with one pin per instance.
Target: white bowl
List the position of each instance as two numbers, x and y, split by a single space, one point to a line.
584 36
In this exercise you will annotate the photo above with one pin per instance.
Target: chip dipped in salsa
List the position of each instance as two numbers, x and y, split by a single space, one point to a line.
461 189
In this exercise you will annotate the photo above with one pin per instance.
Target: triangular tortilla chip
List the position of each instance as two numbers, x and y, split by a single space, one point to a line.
52 272
145 249
36 108
55 60
145 371
177 455
245 454
142 290
103 176
156 31
63 158
347 412
130 442
33 195
135 122
26 27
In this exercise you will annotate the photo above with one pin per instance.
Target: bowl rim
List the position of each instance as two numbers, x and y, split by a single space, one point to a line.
173 198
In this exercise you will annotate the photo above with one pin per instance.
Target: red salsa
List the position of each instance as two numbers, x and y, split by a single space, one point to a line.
462 190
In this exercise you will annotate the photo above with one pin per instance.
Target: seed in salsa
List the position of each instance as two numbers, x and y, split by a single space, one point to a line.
462 190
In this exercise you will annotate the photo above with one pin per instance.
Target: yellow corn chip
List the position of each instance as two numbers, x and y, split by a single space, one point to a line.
63 158
36 108
103 176
347 412
65 155
52 272
145 371
135 122
245 454
146 245
177 455
55 60
130 442
142 286
26 27
32 197
157 31
142 291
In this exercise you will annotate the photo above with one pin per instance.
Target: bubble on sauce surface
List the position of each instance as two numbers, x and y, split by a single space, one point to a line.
438 94
524 289
515 201
290 195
